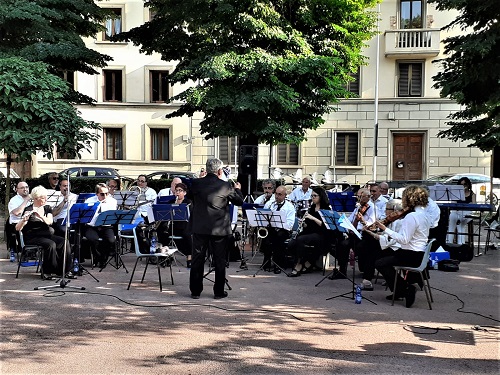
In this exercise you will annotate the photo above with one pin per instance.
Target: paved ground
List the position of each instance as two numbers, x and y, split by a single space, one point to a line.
269 324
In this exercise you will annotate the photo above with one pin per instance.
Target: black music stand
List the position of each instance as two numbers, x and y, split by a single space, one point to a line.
164 199
79 215
245 233
82 197
115 217
171 213
274 219
125 198
342 202
447 192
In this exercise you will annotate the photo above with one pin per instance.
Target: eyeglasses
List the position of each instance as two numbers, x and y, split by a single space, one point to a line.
103 194
141 180
314 195
112 186
180 191
54 178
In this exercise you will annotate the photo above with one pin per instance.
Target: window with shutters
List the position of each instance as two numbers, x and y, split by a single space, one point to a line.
227 148
113 85
353 86
287 154
113 144
347 148
160 144
410 79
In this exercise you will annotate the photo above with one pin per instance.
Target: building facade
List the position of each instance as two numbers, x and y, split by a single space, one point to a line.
136 138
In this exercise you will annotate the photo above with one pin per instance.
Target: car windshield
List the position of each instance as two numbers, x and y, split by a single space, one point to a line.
440 178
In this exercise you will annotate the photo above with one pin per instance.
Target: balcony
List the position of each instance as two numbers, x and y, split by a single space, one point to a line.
412 43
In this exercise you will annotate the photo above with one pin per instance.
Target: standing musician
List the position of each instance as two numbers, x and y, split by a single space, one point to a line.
363 214
457 219
412 237
314 233
378 201
35 224
210 225
178 228
60 210
146 196
384 190
273 246
268 186
105 232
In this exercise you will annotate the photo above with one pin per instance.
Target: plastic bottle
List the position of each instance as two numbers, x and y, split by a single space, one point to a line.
76 266
358 297
152 248
12 255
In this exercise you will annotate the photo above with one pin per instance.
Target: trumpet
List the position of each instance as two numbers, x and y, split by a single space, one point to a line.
262 232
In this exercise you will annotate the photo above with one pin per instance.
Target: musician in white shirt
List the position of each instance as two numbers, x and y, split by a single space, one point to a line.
101 250
146 196
60 210
302 193
273 246
170 190
268 186
379 201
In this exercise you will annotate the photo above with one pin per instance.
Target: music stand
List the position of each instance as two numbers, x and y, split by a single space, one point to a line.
274 219
447 192
244 208
115 217
342 201
80 214
82 197
171 213
125 198
164 199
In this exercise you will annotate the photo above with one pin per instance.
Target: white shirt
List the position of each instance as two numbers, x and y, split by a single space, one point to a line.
387 242
64 211
380 206
287 208
148 196
414 231
165 192
298 195
106 205
261 199
14 203
433 213
368 217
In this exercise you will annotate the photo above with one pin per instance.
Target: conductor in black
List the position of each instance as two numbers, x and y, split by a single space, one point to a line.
210 225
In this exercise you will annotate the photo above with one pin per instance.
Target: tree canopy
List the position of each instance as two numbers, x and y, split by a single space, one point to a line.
51 31
268 69
471 72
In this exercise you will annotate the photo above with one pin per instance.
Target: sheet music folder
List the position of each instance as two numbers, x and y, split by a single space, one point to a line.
331 220
81 213
343 201
168 212
112 217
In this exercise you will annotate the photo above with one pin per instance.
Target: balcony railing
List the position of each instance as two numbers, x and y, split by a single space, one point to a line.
407 42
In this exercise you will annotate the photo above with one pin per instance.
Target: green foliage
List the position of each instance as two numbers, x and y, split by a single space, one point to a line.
34 115
263 68
50 31
471 72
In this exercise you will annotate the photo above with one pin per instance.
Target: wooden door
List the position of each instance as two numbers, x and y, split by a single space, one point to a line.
407 156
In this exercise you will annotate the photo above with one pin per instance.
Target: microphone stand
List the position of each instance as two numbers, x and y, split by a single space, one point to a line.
63 283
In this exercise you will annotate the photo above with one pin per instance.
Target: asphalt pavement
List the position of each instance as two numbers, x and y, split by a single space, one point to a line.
269 324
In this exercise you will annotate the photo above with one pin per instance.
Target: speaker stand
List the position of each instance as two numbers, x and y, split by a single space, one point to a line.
249 197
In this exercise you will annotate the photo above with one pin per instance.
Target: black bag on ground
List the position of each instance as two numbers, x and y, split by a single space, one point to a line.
463 253
448 265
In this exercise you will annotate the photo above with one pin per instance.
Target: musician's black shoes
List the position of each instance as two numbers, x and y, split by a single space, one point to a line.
294 273
277 271
195 296
411 291
220 296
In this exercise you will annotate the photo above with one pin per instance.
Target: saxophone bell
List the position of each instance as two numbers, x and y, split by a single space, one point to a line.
262 232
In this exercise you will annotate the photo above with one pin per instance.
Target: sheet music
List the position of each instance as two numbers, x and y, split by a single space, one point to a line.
276 219
440 192
126 197
255 219
345 223
331 220
53 197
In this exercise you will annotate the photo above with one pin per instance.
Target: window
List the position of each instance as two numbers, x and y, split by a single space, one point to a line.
353 86
346 149
227 147
113 144
112 85
288 154
411 14
160 141
410 79
113 24
159 88
64 154
68 76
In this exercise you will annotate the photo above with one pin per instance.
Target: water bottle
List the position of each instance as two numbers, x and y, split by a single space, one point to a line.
152 248
352 260
12 255
76 267
358 297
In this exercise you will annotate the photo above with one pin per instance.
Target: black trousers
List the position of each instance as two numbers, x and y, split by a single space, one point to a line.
400 257
202 244
101 250
302 249
53 253
368 251
273 246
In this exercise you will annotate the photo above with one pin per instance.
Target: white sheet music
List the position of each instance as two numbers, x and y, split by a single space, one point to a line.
440 192
276 219
345 223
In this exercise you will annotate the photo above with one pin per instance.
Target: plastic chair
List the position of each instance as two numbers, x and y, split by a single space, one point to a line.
160 258
31 255
125 232
420 269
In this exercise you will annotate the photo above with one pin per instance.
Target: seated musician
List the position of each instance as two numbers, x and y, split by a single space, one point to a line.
457 220
308 244
35 224
268 186
113 186
302 193
16 206
394 213
178 228
60 210
273 246
363 215
412 238
101 251
146 196
170 190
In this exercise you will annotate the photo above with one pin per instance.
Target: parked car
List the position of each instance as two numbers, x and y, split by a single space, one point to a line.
171 174
94 172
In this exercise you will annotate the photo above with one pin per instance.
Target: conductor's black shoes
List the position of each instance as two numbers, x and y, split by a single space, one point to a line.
220 296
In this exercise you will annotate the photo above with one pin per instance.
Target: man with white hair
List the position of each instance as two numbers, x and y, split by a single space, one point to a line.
170 190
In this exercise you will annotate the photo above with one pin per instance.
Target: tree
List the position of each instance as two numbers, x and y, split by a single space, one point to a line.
267 69
471 72
35 116
51 31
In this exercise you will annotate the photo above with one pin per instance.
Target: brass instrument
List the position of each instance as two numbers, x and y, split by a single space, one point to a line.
262 232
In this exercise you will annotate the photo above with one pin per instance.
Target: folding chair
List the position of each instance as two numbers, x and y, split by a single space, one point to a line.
31 255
